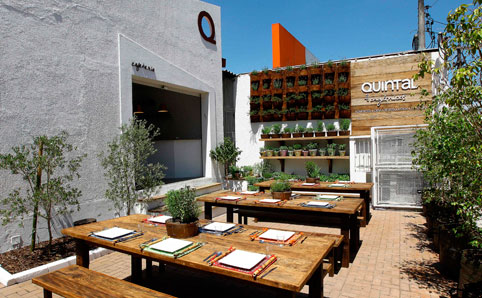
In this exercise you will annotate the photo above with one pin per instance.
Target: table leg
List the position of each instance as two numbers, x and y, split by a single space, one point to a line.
47 294
366 197
208 210
82 253
229 214
149 267
136 269
354 234
345 231
280 293
316 283
364 214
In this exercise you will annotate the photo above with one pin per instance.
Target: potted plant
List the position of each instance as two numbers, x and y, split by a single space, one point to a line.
290 151
317 112
291 114
269 151
331 149
277 116
286 133
262 152
266 83
312 172
275 130
267 115
315 79
328 67
247 171
344 127
329 95
281 190
329 111
331 130
298 132
316 98
312 148
267 102
254 115
291 99
344 110
343 66
297 149
302 80
305 151
254 102
277 101
320 129
182 206
290 82
255 85
276 151
265 132
341 149
283 150
343 94
302 113
322 151
278 83
303 70
308 132
343 80
235 171
301 99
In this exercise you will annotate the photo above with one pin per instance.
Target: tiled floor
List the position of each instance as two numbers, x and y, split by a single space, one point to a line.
395 260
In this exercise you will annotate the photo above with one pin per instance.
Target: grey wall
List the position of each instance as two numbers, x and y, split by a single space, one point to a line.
66 65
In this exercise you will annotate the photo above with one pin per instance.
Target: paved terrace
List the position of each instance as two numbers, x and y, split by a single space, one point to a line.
395 260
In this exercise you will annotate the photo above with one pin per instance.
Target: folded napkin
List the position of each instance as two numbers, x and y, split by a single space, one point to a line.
230 198
290 241
177 254
270 202
312 205
328 198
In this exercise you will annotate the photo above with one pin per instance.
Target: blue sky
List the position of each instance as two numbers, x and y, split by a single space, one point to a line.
329 29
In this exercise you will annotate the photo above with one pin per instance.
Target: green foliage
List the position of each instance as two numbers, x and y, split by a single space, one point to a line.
329 108
297 146
329 63
318 108
266 130
280 186
316 94
225 153
283 148
254 113
302 110
342 77
276 128
266 84
287 130
331 127
334 177
254 72
265 70
315 64
302 80
289 68
342 92
312 146
342 147
303 66
126 168
315 80
278 83
345 124
255 85
309 129
233 169
47 166
344 63
448 151
254 99
332 146
344 106
182 205
329 92
320 126
328 81
276 99
312 169
300 128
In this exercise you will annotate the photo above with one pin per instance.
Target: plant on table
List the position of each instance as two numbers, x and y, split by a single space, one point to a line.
276 151
276 129
184 210
290 151
344 124
281 190
300 129
269 150
262 151
125 162
312 172
331 129
226 154
47 166
235 171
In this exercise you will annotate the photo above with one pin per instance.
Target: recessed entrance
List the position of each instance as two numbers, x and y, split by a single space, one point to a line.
178 117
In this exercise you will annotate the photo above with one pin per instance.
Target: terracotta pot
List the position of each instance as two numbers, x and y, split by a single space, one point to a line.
312 180
283 152
181 230
265 136
297 134
286 135
345 113
297 153
284 196
306 153
331 133
269 153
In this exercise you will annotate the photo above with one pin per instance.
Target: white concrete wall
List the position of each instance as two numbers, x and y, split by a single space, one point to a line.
66 65
248 135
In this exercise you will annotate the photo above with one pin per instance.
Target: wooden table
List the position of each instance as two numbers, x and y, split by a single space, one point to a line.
354 187
342 216
297 265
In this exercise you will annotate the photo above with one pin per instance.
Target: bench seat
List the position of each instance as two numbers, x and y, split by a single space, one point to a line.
76 281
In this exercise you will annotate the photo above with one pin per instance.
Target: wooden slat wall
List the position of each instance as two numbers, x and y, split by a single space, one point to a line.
403 67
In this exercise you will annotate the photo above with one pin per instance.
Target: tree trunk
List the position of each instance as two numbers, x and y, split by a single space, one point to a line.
38 183
50 232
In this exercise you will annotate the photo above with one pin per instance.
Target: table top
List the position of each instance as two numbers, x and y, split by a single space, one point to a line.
352 186
345 206
295 264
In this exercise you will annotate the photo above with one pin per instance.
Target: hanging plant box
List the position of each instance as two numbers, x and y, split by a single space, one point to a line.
308 134
254 118
290 83
329 99
277 117
274 135
345 113
315 70
331 133
265 136
254 105
319 133
266 104
302 102
267 118
291 117
297 135
316 115
303 71
330 115
344 133
278 83
328 69
277 104
286 135
343 67
302 116
344 99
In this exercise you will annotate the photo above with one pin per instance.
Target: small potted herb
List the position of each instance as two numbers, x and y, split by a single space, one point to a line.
265 132
344 110
235 171
267 102
254 115
247 171
315 79
329 111
317 112
283 150
312 172
305 151
266 83
312 148
302 80
269 151
262 152
297 149
331 149
302 113
182 206
281 190
320 129
322 151
331 130
342 77
278 83
290 151
255 85
344 127
343 94
298 132
291 114
286 133
308 132
290 82
342 149
276 152
275 130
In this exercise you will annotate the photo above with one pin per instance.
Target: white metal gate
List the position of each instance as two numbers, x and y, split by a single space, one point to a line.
397 184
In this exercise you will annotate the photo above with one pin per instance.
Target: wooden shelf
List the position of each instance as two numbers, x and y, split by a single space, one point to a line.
305 157
305 139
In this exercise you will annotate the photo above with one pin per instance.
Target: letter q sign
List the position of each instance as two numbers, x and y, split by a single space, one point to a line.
202 15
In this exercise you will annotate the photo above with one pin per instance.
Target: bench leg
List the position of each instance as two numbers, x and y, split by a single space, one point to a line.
149 267
82 253
136 269
316 283
245 219
47 294
345 261
240 219
331 258
229 214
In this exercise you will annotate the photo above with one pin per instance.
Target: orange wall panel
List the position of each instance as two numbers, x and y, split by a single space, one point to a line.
287 50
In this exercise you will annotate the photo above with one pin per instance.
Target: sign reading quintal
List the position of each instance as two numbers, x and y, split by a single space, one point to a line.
384 93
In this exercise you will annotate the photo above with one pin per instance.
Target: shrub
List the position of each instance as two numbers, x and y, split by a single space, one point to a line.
226 153
182 205
280 186
331 127
312 170
276 128
266 130
344 124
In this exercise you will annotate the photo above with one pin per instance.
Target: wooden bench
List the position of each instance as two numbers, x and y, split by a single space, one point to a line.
75 281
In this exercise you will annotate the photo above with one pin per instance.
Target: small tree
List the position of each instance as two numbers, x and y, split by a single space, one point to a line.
226 153
126 167
48 173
